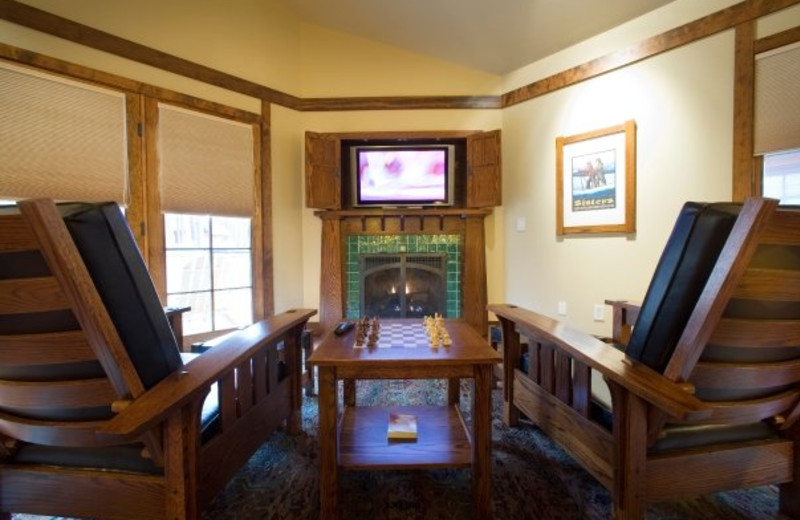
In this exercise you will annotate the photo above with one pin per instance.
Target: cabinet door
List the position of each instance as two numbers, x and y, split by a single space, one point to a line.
484 187
323 171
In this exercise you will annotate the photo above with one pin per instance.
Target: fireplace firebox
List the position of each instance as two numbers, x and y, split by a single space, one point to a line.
403 285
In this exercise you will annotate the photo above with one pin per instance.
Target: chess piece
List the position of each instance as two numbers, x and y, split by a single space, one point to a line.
446 341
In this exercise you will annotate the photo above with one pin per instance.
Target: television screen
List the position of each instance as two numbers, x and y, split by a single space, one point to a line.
402 175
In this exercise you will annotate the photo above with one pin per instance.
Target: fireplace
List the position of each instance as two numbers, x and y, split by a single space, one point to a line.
403 275
403 285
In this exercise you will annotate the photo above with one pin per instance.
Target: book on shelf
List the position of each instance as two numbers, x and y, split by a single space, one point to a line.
402 427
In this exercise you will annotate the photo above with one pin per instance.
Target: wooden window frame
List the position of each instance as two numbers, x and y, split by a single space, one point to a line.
748 168
213 290
144 207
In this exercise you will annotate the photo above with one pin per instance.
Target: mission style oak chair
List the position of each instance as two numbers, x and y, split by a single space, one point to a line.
705 395
99 415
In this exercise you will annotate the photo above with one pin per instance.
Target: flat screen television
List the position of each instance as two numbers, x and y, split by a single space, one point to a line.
402 175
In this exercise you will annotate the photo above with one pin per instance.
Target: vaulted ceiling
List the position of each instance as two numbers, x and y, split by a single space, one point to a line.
496 36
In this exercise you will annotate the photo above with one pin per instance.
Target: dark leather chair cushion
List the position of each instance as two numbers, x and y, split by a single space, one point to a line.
680 276
108 458
117 268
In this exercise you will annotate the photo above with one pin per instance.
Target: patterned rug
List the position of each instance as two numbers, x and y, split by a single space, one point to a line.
532 478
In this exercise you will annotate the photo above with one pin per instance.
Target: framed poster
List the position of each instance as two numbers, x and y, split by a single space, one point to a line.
596 181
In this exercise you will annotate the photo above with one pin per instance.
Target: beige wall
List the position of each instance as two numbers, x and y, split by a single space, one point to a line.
782 20
335 64
682 104
681 101
256 40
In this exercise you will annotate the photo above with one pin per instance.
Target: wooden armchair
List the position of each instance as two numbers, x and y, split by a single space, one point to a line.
706 394
99 415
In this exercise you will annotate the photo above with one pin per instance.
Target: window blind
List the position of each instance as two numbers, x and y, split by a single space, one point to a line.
777 100
206 163
60 139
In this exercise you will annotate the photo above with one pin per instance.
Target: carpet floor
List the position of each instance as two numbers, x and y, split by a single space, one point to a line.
532 478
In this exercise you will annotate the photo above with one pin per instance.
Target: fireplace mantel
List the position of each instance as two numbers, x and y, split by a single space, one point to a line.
337 225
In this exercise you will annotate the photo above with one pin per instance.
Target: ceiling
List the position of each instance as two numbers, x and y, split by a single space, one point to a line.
496 36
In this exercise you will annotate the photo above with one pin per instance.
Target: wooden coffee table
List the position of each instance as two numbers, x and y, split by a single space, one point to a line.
359 440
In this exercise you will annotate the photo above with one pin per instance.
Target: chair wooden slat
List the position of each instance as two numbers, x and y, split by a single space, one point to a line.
743 412
15 235
769 284
563 377
756 333
260 376
582 388
244 386
27 295
744 376
782 228
80 393
54 433
44 349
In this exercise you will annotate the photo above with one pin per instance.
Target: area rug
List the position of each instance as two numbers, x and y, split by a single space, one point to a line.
532 478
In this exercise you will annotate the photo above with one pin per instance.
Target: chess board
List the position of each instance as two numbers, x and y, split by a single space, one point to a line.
401 335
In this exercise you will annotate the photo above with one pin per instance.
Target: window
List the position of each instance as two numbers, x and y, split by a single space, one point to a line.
206 170
209 268
61 139
781 178
777 123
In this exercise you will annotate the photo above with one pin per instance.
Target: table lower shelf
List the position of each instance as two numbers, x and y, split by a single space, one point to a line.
442 439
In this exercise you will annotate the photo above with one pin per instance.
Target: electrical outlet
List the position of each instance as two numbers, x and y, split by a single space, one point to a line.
562 308
599 312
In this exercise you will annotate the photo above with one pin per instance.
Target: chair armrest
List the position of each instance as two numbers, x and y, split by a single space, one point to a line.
624 314
195 379
637 378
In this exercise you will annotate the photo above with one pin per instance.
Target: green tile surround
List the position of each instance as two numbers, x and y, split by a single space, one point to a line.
450 245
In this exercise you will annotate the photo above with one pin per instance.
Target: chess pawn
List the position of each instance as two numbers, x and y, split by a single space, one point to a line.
446 341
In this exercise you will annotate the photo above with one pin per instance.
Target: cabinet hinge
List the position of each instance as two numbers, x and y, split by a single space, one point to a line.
140 129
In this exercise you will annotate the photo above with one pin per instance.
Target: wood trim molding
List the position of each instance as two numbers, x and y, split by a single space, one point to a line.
693 31
106 79
154 230
399 134
778 40
33 18
400 103
136 212
37 19
747 169
258 224
743 111
267 267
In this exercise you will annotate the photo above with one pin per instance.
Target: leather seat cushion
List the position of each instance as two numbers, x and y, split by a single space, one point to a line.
688 258
117 268
680 437
121 458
